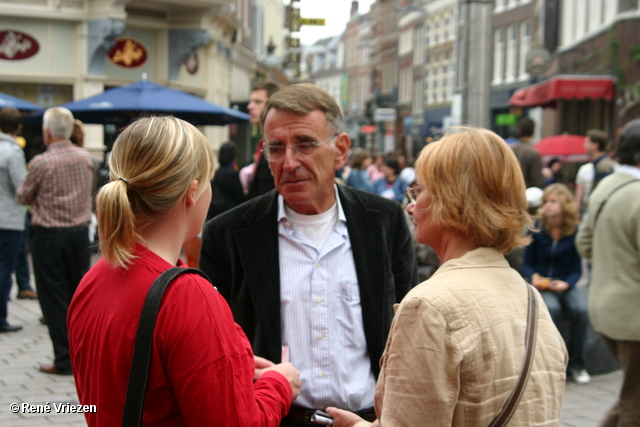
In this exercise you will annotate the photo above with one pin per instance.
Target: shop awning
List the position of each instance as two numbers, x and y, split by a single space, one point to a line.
564 87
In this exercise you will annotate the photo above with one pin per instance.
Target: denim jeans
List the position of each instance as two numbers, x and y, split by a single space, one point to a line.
9 247
23 277
574 304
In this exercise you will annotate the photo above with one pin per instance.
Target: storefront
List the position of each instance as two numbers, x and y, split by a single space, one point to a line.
581 102
50 57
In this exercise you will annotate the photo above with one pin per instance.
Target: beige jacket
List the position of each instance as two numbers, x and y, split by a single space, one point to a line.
456 348
612 248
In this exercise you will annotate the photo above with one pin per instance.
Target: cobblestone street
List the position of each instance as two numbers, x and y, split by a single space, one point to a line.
21 382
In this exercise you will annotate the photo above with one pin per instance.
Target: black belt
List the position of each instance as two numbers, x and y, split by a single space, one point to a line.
303 415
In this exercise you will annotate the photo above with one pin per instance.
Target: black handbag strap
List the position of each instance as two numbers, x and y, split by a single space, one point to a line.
509 408
137 385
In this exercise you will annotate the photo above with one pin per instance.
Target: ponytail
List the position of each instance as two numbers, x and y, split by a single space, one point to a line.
116 224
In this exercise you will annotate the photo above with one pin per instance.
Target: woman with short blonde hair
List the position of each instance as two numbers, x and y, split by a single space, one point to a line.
457 342
202 367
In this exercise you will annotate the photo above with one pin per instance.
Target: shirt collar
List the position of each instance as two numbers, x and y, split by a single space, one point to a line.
282 214
59 144
631 170
477 258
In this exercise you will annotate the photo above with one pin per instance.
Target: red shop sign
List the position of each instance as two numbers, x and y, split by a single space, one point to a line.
128 53
16 45
192 63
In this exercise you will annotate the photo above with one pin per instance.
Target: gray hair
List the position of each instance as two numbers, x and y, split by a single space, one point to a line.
59 121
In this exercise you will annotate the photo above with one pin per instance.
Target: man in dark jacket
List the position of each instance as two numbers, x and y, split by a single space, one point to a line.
313 266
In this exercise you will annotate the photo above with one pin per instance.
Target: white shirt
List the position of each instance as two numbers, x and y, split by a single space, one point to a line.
321 316
585 177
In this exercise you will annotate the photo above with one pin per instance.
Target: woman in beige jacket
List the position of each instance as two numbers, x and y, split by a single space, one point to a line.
456 346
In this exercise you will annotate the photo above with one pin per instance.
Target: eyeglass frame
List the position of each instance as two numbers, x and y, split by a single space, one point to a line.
413 192
266 147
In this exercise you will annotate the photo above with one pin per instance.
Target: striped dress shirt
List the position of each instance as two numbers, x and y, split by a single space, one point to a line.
321 317
58 186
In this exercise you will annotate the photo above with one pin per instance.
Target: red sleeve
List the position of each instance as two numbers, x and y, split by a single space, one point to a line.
210 363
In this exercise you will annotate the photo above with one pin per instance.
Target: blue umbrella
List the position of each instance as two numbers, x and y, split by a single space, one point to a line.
120 105
20 104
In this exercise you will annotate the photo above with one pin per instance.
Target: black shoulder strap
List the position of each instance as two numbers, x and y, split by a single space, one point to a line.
510 406
607 198
137 385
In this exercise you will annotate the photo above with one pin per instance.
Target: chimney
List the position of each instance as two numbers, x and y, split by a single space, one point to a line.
354 8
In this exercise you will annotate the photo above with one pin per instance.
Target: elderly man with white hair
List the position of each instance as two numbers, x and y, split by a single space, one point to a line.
58 186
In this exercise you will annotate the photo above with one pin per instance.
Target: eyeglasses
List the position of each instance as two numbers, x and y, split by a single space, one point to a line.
275 152
413 192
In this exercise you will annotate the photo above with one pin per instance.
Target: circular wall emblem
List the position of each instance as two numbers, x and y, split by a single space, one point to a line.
16 45
192 63
128 53
538 60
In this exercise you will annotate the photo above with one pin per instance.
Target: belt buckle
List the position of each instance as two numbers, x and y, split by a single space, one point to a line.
307 416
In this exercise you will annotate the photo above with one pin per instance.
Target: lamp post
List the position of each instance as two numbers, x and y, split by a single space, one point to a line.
477 51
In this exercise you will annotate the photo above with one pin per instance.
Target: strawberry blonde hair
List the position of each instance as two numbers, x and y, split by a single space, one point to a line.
477 187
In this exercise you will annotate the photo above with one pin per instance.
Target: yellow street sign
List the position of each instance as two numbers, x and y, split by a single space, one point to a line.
312 21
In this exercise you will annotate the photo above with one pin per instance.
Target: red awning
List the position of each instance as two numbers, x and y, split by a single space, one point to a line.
564 87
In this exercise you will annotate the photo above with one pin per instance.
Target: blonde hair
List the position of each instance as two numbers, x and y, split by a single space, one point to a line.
477 187
158 158
570 217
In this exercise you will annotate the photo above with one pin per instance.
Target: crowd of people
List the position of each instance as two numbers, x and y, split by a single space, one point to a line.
309 296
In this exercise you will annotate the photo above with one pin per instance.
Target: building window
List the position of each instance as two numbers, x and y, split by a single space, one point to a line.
452 75
525 44
511 60
440 91
443 31
418 51
512 3
417 97
498 56
430 77
452 26
499 6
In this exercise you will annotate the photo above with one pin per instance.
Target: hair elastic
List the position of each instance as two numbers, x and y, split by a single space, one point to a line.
125 181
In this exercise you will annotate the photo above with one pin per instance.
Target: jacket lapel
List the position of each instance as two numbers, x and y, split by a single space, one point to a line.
258 249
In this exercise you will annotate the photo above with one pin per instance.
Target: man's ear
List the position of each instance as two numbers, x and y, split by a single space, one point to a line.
343 143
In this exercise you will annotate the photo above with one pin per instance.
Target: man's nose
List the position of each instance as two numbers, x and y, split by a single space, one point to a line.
290 159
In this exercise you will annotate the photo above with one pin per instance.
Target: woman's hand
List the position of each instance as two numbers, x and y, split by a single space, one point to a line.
558 286
342 418
260 365
539 282
291 374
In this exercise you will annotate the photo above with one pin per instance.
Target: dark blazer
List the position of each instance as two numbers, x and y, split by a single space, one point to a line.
240 255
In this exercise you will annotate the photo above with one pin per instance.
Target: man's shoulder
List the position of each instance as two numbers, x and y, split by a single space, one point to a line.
254 208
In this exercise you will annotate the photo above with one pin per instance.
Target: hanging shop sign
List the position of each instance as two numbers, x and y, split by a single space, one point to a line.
128 53
192 64
16 45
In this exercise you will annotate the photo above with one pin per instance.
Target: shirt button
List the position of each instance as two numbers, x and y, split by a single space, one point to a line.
318 300
321 374
317 265
319 336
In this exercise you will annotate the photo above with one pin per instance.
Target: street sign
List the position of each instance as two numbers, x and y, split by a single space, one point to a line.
312 21
294 58
367 129
384 114
293 42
